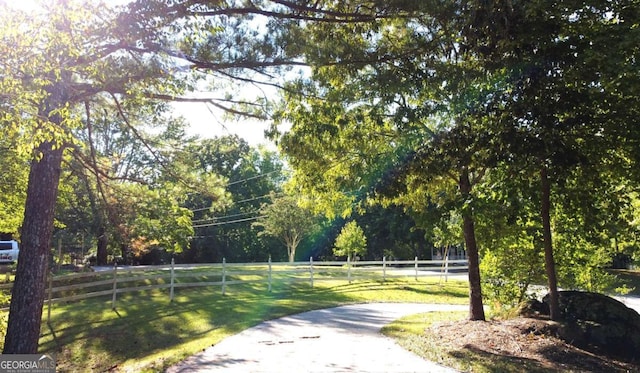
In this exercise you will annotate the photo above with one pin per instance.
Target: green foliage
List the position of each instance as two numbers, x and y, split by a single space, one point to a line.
13 185
582 264
284 219
392 233
224 230
152 217
396 112
351 241
125 185
508 274
404 101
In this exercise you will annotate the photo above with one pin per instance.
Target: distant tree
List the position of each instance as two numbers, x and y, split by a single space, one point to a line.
251 174
351 241
391 232
284 219
114 188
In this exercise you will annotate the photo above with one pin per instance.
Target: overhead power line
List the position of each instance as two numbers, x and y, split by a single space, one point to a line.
201 209
229 222
225 216
253 198
236 202
256 177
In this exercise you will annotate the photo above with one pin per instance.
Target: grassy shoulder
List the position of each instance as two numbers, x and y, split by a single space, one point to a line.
514 344
409 332
148 333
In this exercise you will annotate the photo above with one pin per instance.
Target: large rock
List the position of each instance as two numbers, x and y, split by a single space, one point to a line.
599 323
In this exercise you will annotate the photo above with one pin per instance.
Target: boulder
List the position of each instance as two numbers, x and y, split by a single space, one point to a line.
599 323
532 308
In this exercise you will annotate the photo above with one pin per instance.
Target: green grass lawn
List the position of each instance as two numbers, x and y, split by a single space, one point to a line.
148 333
409 333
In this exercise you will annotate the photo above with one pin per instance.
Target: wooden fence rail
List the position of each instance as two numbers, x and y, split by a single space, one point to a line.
119 280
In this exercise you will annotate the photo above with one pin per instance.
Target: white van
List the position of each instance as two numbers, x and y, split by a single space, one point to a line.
8 251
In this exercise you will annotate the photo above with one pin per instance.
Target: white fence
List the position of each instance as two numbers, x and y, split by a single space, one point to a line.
118 280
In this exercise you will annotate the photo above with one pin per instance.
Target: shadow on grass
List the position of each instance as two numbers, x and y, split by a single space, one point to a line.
492 362
569 359
454 290
91 334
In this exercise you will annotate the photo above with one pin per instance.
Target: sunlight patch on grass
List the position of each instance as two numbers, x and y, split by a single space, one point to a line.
146 332
409 332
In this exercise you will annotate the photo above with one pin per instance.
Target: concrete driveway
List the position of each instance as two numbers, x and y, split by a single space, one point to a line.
341 339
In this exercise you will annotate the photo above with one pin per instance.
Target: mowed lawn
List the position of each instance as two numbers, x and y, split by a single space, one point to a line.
146 332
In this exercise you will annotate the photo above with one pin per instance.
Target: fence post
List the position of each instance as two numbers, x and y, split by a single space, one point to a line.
349 268
115 285
269 278
311 269
50 295
173 262
416 265
224 275
446 268
384 268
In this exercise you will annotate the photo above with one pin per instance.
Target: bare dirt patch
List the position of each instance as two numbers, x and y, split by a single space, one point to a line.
526 343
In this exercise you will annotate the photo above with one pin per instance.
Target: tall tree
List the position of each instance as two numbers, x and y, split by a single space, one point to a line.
64 55
557 107
54 59
99 192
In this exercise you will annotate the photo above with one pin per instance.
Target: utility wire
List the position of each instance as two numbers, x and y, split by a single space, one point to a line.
225 217
236 202
201 209
254 198
229 222
256 177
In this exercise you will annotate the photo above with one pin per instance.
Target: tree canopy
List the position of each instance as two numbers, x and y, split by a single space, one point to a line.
284 219
351 241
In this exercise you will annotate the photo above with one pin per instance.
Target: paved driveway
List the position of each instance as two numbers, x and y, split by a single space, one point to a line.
341 339
632 302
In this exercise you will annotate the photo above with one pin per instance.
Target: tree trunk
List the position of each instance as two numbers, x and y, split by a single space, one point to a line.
292 244
549 263
28 294
125 252
292 253
476 308
101 254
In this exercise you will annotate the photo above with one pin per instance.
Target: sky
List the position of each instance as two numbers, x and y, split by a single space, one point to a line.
203 122
208 124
